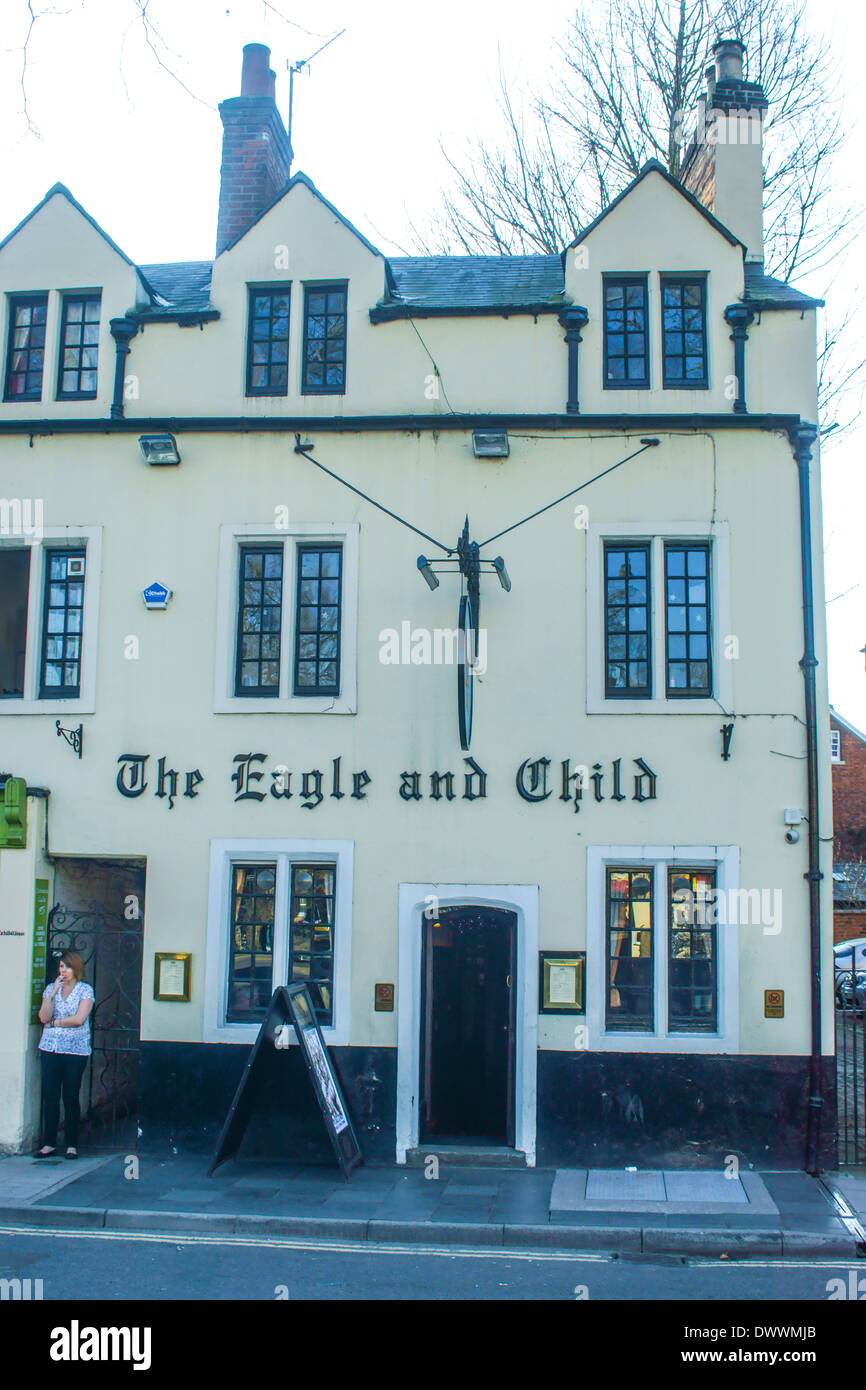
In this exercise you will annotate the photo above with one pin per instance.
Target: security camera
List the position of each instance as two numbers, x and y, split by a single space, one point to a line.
792 836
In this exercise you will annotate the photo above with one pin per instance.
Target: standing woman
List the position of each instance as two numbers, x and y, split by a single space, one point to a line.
65 1048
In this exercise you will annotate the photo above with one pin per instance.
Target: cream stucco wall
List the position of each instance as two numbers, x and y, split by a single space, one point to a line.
530 703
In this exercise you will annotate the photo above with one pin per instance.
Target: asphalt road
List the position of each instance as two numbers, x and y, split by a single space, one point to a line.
115 1265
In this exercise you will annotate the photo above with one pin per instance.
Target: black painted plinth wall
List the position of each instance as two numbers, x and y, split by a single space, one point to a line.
185 1090
610 1110
599 1110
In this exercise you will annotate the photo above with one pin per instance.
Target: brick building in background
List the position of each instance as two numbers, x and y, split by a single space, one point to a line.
848 760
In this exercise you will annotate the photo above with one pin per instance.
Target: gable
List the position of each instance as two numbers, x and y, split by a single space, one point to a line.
654 225
58 245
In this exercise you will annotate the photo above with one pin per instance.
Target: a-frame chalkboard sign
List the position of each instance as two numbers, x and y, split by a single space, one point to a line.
291 1007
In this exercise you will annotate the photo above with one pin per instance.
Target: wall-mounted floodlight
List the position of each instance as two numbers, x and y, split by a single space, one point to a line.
159 448
490 444
502 573
429 577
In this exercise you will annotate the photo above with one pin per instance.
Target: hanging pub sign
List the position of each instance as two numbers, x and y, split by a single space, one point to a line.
290 1008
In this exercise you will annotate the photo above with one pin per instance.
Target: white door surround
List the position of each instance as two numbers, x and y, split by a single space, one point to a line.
414 898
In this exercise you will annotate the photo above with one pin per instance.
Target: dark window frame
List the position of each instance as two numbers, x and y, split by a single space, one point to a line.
250 1015
324 1013
681 278
629 1022
82 297
688 692
325 287
706 1022
61 692
15 302
627 692
27 568
625 282
246 692
271 291
320 548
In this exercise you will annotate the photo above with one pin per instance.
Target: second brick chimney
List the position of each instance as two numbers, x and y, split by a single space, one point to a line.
257 156
723 166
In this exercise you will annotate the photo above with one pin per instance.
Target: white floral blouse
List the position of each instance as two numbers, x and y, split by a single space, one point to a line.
69 1040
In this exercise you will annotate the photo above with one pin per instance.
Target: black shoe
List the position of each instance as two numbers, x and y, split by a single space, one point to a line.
52 1153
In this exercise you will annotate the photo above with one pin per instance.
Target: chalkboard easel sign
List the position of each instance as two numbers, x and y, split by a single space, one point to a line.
292 1007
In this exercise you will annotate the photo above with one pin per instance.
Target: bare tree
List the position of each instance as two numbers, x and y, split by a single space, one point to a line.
627 75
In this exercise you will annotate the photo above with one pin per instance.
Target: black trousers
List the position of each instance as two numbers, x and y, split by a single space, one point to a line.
61 1071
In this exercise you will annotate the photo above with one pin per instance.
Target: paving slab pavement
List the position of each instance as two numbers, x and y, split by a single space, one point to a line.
651 1212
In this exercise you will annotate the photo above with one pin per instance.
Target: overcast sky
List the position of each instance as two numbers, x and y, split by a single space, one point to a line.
142 153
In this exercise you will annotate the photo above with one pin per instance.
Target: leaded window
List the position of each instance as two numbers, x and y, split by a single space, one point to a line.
311 955
626 329
268 343
692 964
251 941
626 619
317 629
684 332
79 347
687 619
260 601
62 622
25 358
629 1001
324 366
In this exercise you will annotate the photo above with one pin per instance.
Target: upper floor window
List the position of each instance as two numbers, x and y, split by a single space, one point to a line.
268 343
48 619
684 331
79 347
317 630
287 625
260 602
324 364
626 619
62 623
835 746
25 358
687 619
626 332
658 608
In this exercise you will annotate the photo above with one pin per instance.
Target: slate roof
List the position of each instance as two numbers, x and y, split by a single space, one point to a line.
181 287
431 284
768 293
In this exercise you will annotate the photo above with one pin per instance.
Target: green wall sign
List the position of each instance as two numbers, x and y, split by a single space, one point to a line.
40 944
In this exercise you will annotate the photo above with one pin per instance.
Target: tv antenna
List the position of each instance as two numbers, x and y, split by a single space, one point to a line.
303 68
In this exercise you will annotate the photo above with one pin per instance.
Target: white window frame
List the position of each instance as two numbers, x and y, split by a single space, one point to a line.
835 746
88 539
284 853
725 859
231 539
720 617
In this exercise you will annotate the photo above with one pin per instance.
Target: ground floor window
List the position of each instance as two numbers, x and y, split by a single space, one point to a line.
280 913
662 934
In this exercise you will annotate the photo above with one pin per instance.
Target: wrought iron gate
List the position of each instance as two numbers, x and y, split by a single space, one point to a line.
850 988
111 949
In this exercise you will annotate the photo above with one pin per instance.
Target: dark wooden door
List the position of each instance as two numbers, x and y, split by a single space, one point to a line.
468 1026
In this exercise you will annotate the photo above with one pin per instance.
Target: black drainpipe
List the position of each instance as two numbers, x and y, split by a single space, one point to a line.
802 440
123 330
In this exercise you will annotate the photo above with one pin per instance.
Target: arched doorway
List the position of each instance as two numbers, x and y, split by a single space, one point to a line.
468 971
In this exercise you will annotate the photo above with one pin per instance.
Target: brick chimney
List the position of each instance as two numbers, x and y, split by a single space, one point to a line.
257 156
724 166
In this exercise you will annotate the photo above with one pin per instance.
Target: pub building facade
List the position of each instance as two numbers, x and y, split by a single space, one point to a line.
541 834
